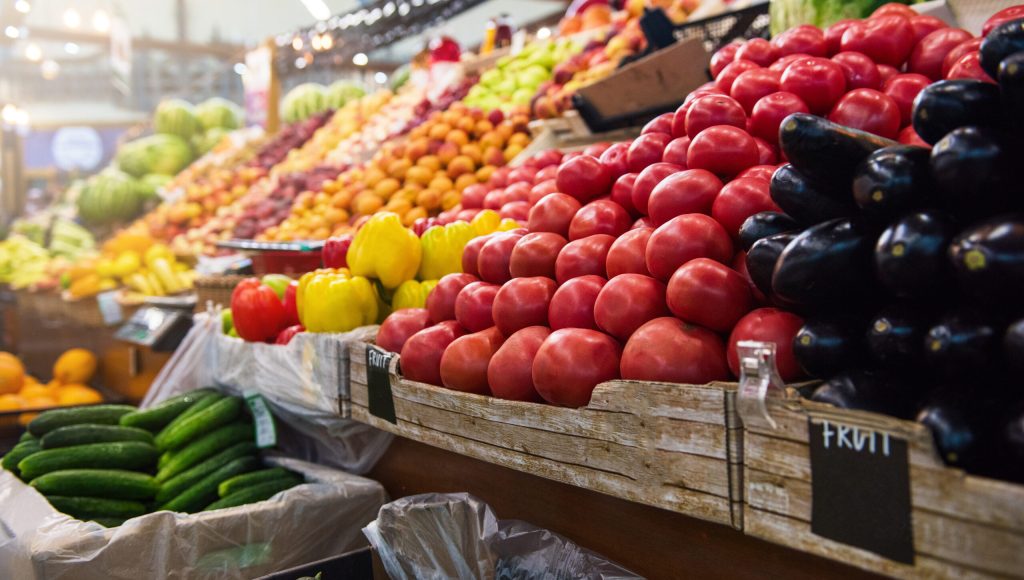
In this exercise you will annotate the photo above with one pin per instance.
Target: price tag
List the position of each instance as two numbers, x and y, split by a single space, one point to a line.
110 308
860 489
378 383
266 433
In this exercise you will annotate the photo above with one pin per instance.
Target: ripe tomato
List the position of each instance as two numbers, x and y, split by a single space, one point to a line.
758 50
725 79
969 67
804 38
399 326
859 70
739 263
690 191
887 72
885 39
766 154
535 255
646 182
780 65
1004 15
834 34
615 158
495 255
626 302
739 199
646 150
421 354
750 86
764 172
538 191
768 325
723 57
685 238
602 216
515 210
723 150
924 25
464 362
553 213
894 9
522 302
969 45
713 110
622 192
572 306
908 136
679 121
510 372
675 151
903 89
770 111
584 178
571 362
868 110
927 56
441 300
818 82
660 124
669 350
627 253
708 293
473 306
583 257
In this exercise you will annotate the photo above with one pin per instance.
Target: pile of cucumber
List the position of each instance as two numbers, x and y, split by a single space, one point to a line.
108 463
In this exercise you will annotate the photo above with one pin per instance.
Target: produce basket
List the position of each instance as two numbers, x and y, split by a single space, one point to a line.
665 445
717 31
215 289
961 526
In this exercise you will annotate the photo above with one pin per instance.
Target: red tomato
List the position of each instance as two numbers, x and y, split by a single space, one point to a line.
708 293
473 306
537 192
740 199
818 82
1004 15
804 38
495 255
679 121
594 150
758 50
615 158
690 191
724 80
927 56
969 67
522 174
473 196
647 150
464 362
628 301
723 57
768 325
399 326
548 172
584 178
713 110
910 137
766 154
739 263
572 306
534 255
522 302
903 89
660 124
780 65
627 253
553 213
894 9
868 110
859 70
925 25
675 151
572 362
545 159
421 354
510 372
723 150
684 238
886 39
622 193
668 350
834 34
770 111
750 86
646 182
969 45
441 300
515 210
583 257
887 72
764 172
602 216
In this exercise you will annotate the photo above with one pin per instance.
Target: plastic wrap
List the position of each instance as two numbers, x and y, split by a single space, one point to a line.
441 536
314 520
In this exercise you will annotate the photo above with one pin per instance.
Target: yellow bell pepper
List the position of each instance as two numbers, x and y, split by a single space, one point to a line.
386 250
334 301
412 294
486 222
508 224
442 249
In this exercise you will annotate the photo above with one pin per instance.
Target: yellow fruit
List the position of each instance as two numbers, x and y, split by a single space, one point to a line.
32 391
12 373
77 395
75 366
10 403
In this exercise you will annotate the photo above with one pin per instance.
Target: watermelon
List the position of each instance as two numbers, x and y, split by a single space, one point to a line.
111 196
341 92
160 153
219 113
148 186
175 117
400 76
303 102
204 142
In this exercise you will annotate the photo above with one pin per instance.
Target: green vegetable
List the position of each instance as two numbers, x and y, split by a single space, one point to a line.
249 479
20 452
180 434
86 508
205 446
26 436
129 455
105 483
108 522
159 416
164 458
85 434
179 483
198 405
786 14
95 414
254 493
201 494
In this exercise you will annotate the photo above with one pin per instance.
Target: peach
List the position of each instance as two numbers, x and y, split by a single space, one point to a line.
494 156
447 153
441 182
439 131
429 199
412 215
430 162
458 137
465 180
460 165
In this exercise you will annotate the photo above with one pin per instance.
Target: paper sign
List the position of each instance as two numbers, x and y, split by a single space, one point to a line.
110 308
266 433
378 383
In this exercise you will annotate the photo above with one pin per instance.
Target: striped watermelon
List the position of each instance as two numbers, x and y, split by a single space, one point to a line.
220 113
175 117
109 197
303 102
341 92
160 153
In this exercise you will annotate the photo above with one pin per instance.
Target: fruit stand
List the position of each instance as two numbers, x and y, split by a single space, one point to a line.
724 288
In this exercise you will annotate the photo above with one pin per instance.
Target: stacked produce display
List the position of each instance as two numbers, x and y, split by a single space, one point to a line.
21 393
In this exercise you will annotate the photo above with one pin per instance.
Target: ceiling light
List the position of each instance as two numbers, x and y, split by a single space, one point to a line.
403 9
300 62
326 41
12 32
100 21
22 6
240 68
71 48
71 18
360 59
297 43
315 42
50 69
381 78
317 8
33 52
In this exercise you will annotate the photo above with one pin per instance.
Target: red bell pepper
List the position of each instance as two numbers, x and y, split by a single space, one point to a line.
291 304
335 251
286 335
258 313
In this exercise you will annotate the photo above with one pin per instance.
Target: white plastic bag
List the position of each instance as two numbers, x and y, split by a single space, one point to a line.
189 367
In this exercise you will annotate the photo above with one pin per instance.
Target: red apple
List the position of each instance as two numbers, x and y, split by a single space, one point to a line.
571 362
441 300
421 354
685 238
646 182
464 362
523 302
602 216
572 305
584 178
690 191
647 150
627 253
582 257
473 306
400 325
492 263
553 213
669 350
628 301
510 372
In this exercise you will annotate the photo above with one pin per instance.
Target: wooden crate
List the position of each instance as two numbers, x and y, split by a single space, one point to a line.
963 526
659 444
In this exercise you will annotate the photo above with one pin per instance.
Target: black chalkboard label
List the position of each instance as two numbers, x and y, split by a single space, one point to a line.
860 489
378 384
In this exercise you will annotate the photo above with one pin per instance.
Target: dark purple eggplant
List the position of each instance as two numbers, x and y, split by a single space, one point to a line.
866 390
973 173
764 224
1011 83
827 153
963 344
988 260
1002 41
895 337
946 105
761 258
826 346
805 201
954 415
1008 444
827 265
1013 346
892 181
910 255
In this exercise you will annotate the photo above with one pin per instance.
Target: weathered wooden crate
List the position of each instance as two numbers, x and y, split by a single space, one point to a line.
665 445
963 526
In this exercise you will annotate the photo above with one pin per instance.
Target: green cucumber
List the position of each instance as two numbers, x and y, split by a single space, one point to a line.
128 455
20 451
202 493
108 522
26 436
95 414
186 479
164 458
85 508
104 483
220 413
160 415
85 434
205 446
254 493
201 403
249 479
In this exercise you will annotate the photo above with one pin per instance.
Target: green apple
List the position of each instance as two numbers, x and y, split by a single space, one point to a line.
490 102
522 96
491 78
506 87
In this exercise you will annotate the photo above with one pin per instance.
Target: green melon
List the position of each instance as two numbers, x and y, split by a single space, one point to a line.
176 117
341 92
303 102
218 113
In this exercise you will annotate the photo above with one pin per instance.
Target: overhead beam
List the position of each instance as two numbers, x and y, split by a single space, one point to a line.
217 49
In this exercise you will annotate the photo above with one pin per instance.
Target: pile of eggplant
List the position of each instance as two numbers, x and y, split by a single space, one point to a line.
907 263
